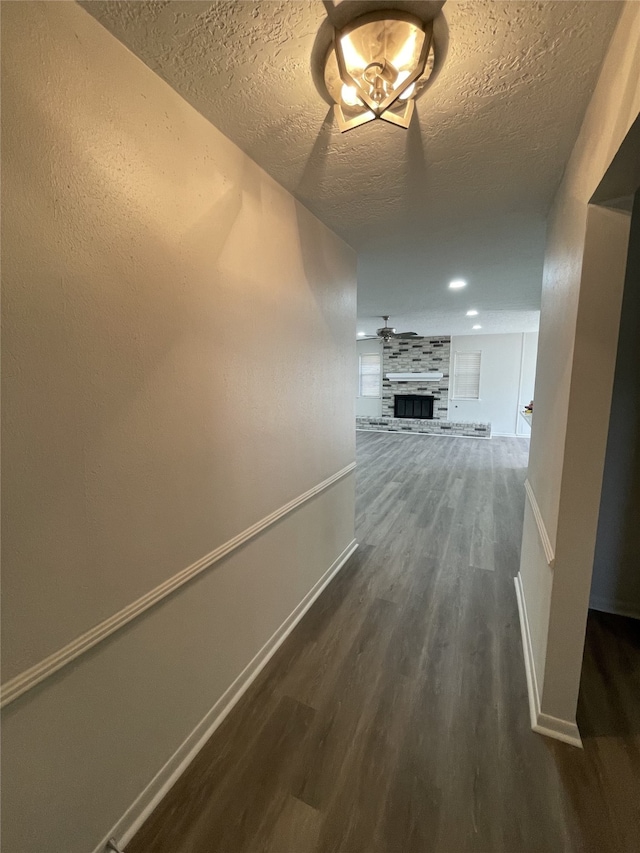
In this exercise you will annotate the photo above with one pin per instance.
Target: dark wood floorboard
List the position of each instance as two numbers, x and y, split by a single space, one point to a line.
394 719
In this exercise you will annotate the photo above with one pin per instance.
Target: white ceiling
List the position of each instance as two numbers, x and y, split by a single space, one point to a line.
463 193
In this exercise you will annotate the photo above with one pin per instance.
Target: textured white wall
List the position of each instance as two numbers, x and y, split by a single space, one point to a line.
178 351
501 371
584 271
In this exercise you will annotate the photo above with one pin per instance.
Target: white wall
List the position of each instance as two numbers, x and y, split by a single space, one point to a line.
507 372
370 407
177 353
527 377
581 297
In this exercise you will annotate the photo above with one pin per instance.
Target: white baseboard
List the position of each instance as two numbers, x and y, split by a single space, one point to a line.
529 667
614 606
145 803
544 724
563 730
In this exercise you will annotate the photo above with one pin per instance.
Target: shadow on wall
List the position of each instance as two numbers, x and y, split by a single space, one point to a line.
85 316
615 585
415 164
311 183
322 269
121 295
315 260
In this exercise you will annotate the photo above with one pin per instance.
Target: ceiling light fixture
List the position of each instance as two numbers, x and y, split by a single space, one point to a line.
377 66
472 313
457 283
361 334
476 326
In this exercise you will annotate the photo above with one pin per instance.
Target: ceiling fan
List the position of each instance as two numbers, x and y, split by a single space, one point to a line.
387 332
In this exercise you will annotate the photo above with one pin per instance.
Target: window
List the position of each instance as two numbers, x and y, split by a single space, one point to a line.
466 376
370 374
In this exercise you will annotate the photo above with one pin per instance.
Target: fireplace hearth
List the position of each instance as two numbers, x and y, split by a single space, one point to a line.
413 406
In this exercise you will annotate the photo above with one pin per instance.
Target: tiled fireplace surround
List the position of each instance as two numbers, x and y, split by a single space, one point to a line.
419 355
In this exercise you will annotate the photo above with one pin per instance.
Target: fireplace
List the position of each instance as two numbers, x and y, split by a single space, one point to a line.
413 406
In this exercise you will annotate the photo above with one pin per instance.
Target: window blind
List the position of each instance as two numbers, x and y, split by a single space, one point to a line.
466 376
370 374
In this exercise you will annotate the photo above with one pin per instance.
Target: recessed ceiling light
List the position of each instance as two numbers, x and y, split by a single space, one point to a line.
476 326
472 313
361 334
456 283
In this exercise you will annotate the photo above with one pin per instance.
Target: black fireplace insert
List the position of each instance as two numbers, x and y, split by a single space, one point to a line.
413 406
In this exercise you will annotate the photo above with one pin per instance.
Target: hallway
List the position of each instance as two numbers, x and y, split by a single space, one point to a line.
395 716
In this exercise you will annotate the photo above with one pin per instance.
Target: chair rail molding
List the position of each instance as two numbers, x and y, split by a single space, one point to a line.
27 680
542 530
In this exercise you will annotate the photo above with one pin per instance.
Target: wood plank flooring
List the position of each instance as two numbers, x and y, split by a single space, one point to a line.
394 719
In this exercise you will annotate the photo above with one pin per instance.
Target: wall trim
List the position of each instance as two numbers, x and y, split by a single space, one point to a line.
168 775
615 606
542 530
33 676
543 724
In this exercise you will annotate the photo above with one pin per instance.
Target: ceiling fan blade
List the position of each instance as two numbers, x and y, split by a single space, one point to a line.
406 335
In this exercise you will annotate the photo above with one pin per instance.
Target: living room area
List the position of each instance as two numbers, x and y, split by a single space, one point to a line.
462 385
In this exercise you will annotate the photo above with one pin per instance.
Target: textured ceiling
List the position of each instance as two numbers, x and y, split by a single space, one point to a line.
463 193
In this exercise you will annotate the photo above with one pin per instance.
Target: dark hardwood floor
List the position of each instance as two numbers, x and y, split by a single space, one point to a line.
394 719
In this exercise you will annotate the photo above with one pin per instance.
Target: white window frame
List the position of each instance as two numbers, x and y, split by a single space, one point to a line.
368 355
466 374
